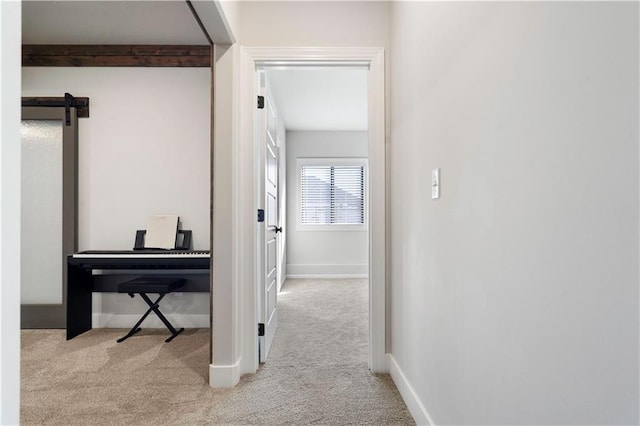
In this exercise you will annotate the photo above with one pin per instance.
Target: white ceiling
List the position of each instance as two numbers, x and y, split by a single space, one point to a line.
320 98
110 22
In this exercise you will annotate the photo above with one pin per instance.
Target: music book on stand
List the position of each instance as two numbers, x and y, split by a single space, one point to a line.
161 231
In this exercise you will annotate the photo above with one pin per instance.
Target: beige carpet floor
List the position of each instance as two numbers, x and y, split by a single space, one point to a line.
316 373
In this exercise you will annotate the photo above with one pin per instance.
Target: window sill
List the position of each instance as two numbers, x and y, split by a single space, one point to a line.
335 228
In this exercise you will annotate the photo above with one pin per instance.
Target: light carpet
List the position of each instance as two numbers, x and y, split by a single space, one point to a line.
316 373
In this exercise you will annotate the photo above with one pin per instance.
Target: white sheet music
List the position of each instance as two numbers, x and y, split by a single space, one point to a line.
161 231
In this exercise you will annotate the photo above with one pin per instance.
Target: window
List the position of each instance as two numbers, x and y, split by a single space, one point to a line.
332 192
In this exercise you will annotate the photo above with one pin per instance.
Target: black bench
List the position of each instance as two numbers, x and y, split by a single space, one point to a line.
143 285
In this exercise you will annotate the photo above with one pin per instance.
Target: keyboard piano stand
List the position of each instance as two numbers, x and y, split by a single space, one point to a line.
192 267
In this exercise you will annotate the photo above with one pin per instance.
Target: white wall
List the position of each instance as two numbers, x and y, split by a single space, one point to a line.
10 58
314 23
515 295
323 253
224 315
145 149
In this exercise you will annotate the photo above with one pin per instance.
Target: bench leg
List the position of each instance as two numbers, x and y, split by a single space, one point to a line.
136 327
131 332
153 306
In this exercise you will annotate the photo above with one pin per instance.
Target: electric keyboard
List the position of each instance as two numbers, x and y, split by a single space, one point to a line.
143 254
142 259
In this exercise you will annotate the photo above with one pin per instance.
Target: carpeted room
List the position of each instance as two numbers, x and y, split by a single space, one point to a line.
317 372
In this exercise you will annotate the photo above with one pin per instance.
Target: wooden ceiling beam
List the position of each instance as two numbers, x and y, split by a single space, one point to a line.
84 55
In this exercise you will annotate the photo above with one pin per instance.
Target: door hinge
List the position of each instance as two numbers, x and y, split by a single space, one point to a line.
260 329
260 215
260 102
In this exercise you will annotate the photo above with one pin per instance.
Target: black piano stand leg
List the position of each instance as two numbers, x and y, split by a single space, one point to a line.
175 333
136 327
154 308
129 334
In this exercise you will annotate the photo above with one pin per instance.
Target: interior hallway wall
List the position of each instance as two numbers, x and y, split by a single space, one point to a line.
333 252
145 149
10 61
224 313
515 295
283 23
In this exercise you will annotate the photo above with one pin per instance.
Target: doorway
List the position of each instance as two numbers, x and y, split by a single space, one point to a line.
248 265
314 121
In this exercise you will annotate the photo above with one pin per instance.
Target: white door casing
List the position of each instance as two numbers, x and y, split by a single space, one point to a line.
246 152
267 129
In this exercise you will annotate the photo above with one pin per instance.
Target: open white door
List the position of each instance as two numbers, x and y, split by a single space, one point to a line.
267 244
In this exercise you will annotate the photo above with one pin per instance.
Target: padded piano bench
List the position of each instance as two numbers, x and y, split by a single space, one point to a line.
144 285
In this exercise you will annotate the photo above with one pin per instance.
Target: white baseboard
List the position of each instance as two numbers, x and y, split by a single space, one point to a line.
327 271
152 321
415 406
224 376
327 276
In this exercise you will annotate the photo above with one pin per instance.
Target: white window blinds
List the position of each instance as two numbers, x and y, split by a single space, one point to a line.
332 195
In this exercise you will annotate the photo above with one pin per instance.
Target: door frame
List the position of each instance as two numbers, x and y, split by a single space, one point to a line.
245 179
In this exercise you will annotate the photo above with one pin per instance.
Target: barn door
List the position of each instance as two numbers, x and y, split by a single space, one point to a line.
48 212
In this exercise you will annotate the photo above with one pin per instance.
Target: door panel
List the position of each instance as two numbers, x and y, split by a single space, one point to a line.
48 213
41 212
271 257
272 167
272 119
272 208
268 293
272 300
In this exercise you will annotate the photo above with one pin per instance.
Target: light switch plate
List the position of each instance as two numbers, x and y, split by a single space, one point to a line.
435 183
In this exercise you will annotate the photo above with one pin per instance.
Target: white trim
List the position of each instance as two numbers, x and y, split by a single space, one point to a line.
298 269
332 161
112 320
214 19
377 211
224 376
415 406
330 228
244 177
327 276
